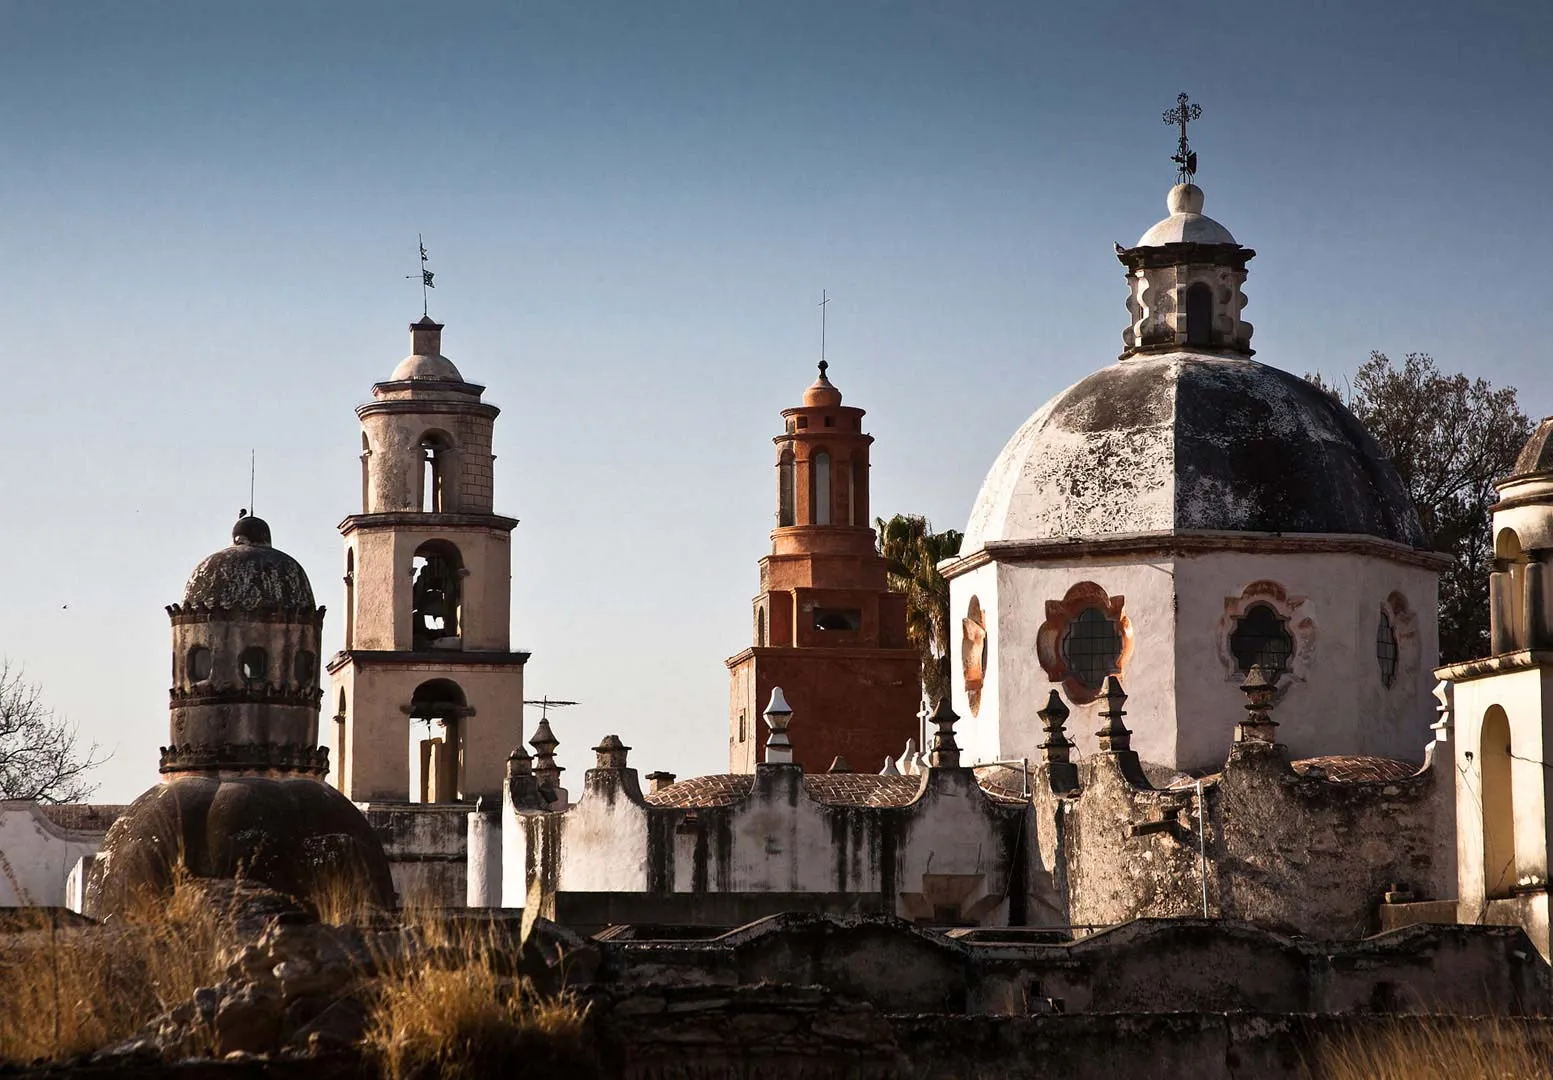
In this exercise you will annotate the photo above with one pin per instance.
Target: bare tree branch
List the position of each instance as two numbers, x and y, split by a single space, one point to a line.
40 753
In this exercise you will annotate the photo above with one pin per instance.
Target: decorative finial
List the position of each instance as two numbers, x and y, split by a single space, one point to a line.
946 752
611 752
1186 161
426 278
1057 745
1113 734
1259 688
779 749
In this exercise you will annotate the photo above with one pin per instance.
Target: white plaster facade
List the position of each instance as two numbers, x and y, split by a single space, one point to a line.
38 855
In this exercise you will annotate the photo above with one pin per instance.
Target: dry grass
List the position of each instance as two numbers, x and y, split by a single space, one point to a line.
73 990
1425 1048
451 1012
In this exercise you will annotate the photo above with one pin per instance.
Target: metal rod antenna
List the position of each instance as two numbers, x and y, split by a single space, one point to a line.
251 458
824 307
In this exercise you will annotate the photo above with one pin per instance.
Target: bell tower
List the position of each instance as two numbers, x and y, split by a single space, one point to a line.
427 693
827 630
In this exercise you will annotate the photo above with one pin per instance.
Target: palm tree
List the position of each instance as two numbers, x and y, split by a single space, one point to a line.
912 552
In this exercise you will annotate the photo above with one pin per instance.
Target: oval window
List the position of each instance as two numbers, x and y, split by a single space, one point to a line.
1092 647
199 664
253 663
306 667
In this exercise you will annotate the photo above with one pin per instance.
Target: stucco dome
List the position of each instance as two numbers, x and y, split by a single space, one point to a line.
295 835
1191 442
822 391
1186 224
1536 457
250 575
437 368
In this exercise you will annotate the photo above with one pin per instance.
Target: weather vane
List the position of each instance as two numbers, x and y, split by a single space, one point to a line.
824 304
426 276
1185 159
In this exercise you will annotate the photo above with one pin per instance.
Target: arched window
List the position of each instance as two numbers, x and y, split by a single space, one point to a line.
339 743
1386 650
1261 636
436 597
1498 805
199 664
436 475
350 597
1199 315
1092 647
253 664
366 480
760 627
819 490
786 501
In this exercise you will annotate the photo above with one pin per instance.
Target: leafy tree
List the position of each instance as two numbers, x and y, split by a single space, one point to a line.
912 552
40 757
1449 438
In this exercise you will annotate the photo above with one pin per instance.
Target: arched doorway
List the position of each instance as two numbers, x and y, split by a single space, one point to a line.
1494 759
437 711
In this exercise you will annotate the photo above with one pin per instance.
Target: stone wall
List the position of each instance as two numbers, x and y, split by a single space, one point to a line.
427 847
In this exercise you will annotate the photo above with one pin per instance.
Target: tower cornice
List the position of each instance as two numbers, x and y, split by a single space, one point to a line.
426 405
420 521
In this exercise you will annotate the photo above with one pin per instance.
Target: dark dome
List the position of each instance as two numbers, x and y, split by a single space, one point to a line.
250 575
1537 455
294 835
1190 442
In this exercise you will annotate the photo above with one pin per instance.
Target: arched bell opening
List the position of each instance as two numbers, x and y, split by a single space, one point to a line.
1496 761
1199 315
437 711
436 473
437 578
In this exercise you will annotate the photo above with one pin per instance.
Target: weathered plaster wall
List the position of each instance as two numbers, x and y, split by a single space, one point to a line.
979 731
952 850
37 855
384 594
1333 700
427 849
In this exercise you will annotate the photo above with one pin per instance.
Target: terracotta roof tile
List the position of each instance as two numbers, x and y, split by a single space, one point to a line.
835 789
1351 769
86 817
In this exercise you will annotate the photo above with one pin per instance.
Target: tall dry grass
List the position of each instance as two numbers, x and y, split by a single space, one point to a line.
449 1008
1425 1048
71 990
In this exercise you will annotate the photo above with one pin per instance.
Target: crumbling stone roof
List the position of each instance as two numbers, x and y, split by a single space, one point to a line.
1355 768
84 817
833 789
250 575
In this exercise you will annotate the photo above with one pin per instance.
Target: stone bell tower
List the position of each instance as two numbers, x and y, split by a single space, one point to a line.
827 629
427 694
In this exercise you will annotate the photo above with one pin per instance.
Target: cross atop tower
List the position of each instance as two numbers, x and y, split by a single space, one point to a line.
1186 161
824 308
426 277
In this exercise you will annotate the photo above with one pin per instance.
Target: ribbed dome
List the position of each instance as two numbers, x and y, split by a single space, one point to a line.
1188 442
250 575
1537 455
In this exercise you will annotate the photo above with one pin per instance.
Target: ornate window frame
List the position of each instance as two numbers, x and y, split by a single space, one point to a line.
975 652
1298 616
1404 624
1059 615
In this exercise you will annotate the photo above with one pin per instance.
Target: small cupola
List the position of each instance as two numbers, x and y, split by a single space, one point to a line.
1185 274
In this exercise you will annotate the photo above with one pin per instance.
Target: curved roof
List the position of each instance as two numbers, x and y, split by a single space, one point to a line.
435 368
1186 224
250 575
1537 455
838 789
1190 442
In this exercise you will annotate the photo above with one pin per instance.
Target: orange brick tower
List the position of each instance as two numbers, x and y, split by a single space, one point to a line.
827 629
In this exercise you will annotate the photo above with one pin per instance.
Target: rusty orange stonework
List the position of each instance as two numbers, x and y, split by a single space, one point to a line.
827 630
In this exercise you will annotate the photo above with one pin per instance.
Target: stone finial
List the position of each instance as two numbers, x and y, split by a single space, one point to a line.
1057 746
1113 734
1258 725
779 750
612 752
840 764
889 768
519 763
946 752
544 742
657 781
908 760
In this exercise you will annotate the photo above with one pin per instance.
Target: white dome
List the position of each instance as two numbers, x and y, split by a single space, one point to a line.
1190 442
1186 223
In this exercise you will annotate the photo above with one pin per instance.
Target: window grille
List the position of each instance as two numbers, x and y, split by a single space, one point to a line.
1262 636
1092 647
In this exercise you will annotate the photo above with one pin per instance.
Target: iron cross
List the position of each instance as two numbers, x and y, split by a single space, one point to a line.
1186 161
824 301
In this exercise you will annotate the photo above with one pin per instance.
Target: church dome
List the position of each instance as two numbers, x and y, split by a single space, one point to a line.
1536 457
250 575
426 361
1191 442
822 392
1186 224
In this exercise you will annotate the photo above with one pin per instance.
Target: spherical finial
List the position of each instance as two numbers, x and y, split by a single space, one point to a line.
1185 199
251 530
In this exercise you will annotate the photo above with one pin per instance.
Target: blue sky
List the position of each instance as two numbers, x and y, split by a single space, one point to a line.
207 212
